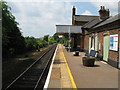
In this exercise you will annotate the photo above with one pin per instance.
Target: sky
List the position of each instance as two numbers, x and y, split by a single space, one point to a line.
40 17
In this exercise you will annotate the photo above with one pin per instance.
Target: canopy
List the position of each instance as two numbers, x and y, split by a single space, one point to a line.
61 29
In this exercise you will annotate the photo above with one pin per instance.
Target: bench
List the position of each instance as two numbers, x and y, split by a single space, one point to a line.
92 53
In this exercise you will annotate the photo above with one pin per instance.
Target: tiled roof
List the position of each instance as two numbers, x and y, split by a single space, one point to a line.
109 20
85 18
91 23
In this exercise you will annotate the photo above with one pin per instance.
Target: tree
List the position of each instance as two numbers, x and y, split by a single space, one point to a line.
31 43
56 38
46 38
12 39
51 40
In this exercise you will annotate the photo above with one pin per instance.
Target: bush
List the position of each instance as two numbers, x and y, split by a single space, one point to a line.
31 43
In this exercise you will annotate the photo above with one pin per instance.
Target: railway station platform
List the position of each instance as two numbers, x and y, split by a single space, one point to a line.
69 72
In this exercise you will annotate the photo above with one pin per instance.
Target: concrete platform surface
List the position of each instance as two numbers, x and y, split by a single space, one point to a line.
101 75
59 75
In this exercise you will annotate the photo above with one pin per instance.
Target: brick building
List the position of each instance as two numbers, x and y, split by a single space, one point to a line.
100 33
79 20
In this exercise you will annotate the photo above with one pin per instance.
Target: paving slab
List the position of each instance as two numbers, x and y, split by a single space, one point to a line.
101 75
59 76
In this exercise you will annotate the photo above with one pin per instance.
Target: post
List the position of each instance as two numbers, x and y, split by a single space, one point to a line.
69 39
0 48
119 42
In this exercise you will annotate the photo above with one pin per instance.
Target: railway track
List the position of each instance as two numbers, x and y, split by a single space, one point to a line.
33 78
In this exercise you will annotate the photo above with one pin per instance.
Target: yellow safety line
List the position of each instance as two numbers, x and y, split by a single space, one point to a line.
69 72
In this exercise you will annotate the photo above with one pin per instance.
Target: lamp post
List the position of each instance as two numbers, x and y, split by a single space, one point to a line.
69 39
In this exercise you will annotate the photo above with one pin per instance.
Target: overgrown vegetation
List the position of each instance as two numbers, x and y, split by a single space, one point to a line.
12 39
65 40
14 43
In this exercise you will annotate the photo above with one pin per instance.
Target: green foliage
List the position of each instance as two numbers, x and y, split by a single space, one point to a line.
51 40
46 38
12 39
64 40
42 43
31 43
56 38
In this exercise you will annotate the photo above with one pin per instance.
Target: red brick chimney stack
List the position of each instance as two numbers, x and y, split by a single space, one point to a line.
104 13
73 10
108 12
73 14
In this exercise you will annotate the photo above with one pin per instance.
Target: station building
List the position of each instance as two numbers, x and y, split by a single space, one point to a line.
99 33
80 20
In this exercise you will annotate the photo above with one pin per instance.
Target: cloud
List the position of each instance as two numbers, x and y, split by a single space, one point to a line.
39 18
87 13
112 6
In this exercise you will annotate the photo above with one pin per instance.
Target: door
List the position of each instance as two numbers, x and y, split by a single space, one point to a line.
106 47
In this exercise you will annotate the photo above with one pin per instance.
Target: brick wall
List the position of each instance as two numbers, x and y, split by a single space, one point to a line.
113 31
100 43
113 55
78 23
86 42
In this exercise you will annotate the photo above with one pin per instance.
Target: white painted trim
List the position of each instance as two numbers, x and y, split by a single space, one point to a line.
89 44
50 70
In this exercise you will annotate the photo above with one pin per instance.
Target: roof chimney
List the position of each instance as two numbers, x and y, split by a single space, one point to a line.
73 15
73 10
104 13
103 8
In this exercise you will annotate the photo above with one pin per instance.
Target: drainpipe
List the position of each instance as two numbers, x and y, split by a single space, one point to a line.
119 48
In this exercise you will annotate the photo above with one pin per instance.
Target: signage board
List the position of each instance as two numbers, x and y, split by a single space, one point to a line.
114 42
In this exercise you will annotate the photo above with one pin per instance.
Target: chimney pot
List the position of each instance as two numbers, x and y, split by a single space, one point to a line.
103 8
104 13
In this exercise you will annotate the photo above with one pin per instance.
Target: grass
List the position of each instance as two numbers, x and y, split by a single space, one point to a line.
28 56
35 53
22 58
12 67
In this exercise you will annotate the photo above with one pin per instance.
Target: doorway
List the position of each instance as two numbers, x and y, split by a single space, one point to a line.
106 44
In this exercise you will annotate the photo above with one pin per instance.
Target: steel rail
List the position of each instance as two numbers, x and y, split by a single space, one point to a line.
29 67
43 71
